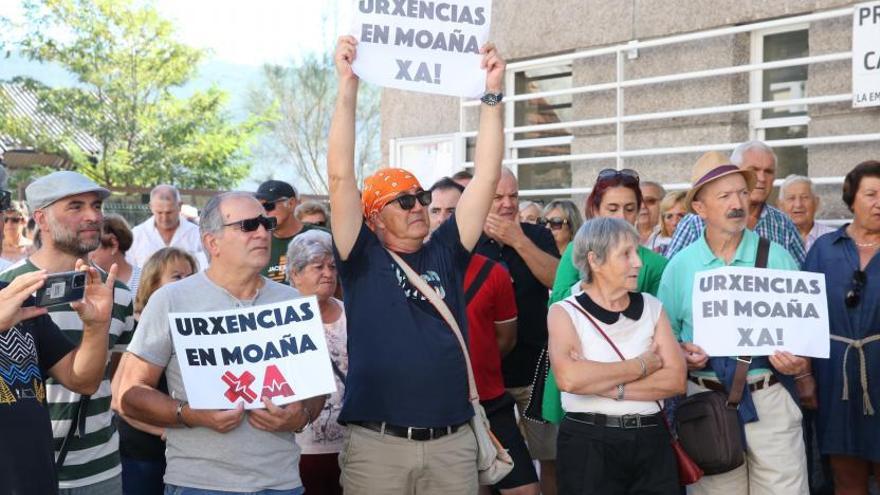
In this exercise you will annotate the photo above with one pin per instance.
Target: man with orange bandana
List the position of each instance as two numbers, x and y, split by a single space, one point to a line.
406 399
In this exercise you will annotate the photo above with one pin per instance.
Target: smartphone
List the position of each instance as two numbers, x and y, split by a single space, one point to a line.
61 288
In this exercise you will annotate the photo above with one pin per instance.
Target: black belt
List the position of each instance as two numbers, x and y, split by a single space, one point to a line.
409 432
719 387
626 421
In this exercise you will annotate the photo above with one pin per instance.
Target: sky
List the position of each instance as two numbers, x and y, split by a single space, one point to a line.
253 32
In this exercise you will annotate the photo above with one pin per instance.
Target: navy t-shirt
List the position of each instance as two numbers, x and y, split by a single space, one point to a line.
518 367
405 366
27 454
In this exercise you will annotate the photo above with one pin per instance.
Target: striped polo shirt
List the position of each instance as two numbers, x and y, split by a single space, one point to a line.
94 456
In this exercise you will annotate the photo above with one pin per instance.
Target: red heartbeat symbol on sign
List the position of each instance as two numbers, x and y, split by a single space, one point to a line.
239 386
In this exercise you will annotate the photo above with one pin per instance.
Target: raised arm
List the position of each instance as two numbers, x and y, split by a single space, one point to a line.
470 214
345 203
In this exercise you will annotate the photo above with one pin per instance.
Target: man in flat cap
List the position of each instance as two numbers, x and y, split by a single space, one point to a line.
67 209
406 392
768 410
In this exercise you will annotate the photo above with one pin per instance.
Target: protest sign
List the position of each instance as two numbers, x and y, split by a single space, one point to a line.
245 354
866 55
755 312
426 46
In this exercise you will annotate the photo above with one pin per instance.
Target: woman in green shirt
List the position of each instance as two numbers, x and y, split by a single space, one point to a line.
615 194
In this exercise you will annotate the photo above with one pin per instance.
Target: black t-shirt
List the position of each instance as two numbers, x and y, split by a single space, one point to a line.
405 365
27 453
518 367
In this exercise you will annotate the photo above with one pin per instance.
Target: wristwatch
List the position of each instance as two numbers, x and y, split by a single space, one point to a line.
492 99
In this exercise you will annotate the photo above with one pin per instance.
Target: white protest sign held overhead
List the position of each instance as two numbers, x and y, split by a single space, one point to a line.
866 55
243 355
426 46
755 312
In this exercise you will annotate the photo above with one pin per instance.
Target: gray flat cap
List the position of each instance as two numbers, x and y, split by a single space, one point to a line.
58 185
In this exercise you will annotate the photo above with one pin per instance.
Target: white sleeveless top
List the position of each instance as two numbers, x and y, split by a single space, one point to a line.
632 333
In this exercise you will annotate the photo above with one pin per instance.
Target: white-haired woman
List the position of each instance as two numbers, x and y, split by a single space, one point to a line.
613 438
312 270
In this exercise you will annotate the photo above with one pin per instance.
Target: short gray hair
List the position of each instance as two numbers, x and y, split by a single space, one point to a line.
211 221
310 208
796 179
308 247
736 157
528 204
599 236
656 185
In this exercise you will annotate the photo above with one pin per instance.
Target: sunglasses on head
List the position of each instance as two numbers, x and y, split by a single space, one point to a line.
252 224
624 174
270 205
854 296
554 223
408 201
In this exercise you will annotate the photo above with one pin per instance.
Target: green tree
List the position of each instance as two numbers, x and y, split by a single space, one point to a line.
298 103
127 63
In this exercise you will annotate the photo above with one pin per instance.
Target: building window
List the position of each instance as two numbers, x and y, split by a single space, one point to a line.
548 109
785 83
428 157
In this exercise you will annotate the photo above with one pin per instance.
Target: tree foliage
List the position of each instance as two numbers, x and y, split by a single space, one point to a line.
128 63
298 103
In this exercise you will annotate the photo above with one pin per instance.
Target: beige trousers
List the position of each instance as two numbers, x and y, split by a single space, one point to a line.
540 438
376 464
776 462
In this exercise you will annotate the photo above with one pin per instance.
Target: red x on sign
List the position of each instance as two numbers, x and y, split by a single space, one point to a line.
239 386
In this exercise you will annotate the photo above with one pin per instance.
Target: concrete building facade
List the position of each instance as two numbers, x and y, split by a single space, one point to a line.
684 76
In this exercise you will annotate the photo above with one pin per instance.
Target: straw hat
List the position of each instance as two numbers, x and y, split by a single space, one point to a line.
711 166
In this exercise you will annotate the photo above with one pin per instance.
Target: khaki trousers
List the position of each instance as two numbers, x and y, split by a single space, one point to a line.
377 464
776 462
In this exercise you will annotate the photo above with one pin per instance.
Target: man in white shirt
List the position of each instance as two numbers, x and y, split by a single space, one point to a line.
164 228
799 201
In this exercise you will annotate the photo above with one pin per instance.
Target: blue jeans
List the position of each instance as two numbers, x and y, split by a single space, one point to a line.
142 477
182 490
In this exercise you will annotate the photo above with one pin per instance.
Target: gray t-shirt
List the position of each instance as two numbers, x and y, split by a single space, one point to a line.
243 460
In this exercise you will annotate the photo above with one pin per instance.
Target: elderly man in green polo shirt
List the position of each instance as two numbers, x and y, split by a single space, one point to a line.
775 456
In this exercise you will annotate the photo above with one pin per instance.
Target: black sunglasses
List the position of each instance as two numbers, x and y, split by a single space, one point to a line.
554 223
252 224
624 174
408 201
854 296
270 205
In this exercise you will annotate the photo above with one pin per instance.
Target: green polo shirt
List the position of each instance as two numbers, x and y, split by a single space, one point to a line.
677 283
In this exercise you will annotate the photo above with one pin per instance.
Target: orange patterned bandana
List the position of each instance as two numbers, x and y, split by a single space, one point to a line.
383 186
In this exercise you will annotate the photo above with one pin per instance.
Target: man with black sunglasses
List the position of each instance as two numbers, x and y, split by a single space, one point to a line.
406 392
203 444
280 201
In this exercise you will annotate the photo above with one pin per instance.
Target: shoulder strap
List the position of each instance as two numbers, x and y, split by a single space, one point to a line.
737 388
77 423
478 281
763 253
432 296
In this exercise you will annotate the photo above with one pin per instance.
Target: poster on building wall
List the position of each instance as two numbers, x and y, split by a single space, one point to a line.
417 45
246 355
866 55
756 311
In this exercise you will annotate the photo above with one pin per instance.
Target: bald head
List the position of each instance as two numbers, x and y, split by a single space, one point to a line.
506 201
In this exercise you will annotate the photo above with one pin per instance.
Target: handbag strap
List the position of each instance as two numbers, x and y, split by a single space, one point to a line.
442 308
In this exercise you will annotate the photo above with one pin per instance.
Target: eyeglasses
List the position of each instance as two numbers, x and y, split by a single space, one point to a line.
408 201
624 174
270 205
252 224
854 296
554 223
13 220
